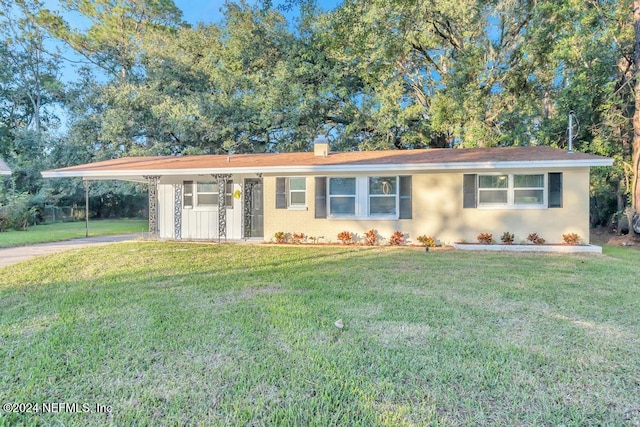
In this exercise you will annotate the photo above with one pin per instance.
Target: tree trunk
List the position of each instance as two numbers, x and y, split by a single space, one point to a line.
635 149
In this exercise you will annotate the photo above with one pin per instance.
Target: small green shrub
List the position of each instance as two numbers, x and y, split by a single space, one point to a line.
485 238
20 210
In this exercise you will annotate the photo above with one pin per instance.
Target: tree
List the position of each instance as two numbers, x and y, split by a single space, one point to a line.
450 72
635 162
30 92
113 41
30 77
250 84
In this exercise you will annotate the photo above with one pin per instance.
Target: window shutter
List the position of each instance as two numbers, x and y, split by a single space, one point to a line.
281 193
405 197
321 197
555 190
469 191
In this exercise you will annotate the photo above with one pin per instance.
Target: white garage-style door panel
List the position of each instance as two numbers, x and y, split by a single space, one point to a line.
197 223
165 211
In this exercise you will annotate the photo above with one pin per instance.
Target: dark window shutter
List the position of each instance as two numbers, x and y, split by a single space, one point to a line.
469 191
555 190
321 197
405 197
281 193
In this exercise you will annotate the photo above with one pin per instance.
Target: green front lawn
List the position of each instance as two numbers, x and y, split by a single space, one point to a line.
71 230
198 334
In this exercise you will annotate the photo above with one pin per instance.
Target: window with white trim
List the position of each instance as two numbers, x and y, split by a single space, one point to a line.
291 193
205 194
187 194
342 196
528 189
228 194
383 195
493 189
297 192
367 197
522 190
373 197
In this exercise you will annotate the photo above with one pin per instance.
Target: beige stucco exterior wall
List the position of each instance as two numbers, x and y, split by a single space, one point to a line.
438 212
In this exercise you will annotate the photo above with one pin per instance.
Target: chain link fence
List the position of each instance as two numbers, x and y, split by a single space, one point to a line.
53 214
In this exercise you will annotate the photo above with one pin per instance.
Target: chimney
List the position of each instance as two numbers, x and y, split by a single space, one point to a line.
321 146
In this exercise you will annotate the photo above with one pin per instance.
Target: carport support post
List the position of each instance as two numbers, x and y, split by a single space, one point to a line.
153 204
86 208
221 179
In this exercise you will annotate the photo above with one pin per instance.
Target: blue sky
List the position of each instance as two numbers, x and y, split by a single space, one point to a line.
195 11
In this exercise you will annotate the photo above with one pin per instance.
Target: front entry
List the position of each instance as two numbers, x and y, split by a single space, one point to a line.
253 208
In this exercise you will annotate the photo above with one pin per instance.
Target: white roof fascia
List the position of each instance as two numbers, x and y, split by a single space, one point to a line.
114 175
132 174
136 179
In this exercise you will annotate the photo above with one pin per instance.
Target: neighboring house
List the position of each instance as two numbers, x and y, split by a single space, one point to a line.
4 169
450 194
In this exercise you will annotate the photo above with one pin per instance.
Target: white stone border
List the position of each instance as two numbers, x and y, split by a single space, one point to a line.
567 249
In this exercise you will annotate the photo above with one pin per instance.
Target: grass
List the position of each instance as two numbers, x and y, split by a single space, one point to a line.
184 334
71 230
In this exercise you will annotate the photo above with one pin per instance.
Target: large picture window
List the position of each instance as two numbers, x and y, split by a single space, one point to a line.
342 196
374 197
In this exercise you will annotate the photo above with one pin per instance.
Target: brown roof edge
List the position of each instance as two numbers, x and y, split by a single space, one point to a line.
427 157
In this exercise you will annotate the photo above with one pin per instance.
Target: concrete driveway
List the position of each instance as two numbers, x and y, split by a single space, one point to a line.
10 256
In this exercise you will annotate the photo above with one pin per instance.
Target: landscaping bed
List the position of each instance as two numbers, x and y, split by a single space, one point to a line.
560 248
534 243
